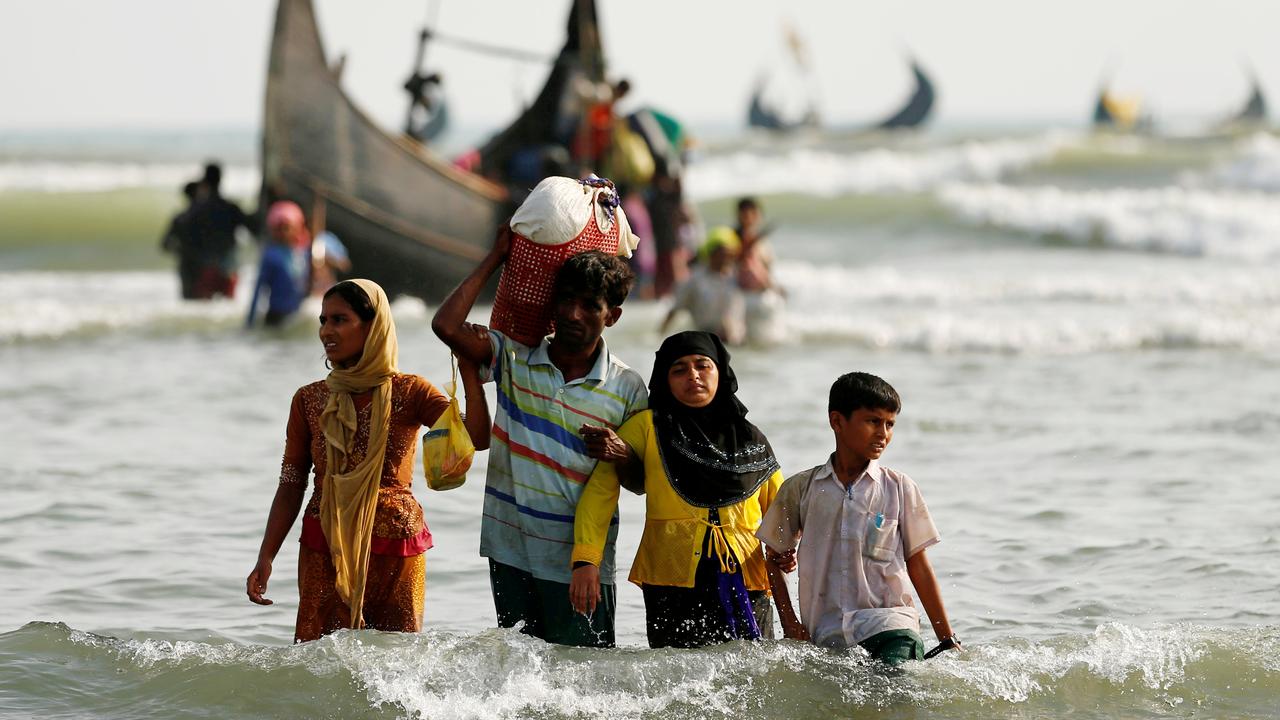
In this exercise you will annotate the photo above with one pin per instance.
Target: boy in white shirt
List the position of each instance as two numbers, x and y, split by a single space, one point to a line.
865 529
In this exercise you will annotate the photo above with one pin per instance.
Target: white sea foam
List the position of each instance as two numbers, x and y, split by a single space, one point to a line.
1256 166
64 177
50 305
876 170
1172 219
1051 311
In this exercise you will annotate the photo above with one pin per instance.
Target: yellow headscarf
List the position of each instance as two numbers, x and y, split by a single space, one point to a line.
350 496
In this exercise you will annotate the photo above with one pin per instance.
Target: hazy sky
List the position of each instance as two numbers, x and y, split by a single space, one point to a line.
180 63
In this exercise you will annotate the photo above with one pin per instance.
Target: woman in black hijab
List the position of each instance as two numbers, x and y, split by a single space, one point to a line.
709 476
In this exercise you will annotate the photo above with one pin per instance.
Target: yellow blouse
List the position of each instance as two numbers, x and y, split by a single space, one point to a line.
674 531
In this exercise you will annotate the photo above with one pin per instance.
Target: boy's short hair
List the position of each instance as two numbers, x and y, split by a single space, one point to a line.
858 390
597 274
747 203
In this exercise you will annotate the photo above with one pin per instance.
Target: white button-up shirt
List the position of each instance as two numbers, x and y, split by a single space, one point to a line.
854 543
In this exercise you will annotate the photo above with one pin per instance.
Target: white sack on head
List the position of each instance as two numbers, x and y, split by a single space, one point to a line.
559 208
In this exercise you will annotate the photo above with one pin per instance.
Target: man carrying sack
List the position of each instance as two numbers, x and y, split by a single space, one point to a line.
555 399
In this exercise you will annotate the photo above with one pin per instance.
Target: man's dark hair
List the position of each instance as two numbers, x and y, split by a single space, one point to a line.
213 175
190 189
858 390
356 297
747 203
597 274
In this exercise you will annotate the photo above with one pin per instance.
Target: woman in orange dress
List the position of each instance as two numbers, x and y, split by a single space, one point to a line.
361 562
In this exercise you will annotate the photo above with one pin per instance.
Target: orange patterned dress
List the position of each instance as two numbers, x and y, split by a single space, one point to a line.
394 591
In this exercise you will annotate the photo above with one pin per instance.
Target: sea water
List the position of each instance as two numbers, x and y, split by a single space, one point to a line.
1084 331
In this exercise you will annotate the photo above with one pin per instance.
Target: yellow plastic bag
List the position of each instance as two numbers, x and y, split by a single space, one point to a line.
446 448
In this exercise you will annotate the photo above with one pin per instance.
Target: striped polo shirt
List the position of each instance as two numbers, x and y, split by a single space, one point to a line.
537 459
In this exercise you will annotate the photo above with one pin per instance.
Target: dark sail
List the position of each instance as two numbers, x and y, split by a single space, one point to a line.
918 107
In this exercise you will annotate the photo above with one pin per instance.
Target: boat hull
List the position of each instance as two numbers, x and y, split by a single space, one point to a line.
411 222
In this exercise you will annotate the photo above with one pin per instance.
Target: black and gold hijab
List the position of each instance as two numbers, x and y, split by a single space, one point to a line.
712 455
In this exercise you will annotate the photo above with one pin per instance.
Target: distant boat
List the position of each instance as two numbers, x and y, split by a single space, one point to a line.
918 107
1254 112
411 221
913 113
1115 112
760 115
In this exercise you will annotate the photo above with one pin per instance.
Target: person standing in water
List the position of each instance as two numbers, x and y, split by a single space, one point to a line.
555 402
179 241
862 531
709 476
361 561
214 221
283 273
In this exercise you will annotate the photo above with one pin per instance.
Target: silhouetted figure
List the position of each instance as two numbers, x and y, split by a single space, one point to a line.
213 224
178 240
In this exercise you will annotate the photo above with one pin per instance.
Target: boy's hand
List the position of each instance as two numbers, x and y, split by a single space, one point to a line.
794 631
786 561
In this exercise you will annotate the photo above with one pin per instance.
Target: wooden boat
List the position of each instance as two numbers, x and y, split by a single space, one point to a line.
913 113
411 221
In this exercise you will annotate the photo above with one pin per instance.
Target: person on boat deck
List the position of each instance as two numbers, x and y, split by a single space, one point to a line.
555 400
709 476
862 531
214 222
284 272
361 561
178 240
711 295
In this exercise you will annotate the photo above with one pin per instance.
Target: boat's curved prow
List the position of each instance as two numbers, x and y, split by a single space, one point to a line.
918 107
411 221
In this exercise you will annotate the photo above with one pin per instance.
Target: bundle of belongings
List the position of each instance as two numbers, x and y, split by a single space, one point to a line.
561 218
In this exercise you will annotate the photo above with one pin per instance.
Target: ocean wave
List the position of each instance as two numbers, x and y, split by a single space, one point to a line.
71 176
43 306
1256 166
1057 311
828 173
504 674
1178 220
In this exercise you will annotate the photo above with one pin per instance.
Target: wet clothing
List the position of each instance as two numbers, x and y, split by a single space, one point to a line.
715 302
399 530
541 605
675 532
283 278
213 244
538 467
718 608
851 589
394 595
894 647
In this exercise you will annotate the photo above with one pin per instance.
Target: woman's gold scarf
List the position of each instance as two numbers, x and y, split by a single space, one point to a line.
350 496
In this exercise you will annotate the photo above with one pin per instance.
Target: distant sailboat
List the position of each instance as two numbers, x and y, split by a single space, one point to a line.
765 114
1254 112
914 113
918 107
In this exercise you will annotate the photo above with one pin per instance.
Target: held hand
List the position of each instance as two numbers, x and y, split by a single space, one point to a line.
604 444
786 561
794 631
256 584
584 589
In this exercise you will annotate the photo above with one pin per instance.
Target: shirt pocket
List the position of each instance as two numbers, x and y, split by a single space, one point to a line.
881 540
